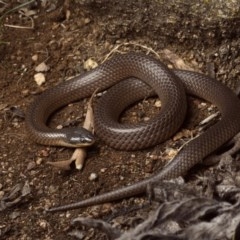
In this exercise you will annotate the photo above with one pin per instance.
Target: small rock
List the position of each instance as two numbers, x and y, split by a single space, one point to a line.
183 133
203 104
171 152
99 94
103 170
93 176
90 64
158 104
43 224
31 165
153 157
35 57
42 67
145 119
210 109
39 161
87 20
68 214
39 78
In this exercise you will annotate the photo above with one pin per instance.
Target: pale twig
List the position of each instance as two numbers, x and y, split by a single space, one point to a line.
128 44
20 27
80 153
16 8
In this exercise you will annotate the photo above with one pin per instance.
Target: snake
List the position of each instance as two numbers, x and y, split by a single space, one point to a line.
127 79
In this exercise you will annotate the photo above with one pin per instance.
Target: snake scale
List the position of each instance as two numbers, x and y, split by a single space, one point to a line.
170 85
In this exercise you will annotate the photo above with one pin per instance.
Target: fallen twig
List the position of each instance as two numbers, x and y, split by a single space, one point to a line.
16 8
20 27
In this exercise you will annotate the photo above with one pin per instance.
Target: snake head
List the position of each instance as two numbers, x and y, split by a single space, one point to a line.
79 138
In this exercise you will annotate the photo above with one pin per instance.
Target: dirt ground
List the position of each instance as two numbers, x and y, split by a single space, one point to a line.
65 38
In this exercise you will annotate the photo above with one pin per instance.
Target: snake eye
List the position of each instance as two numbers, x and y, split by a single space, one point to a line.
80 137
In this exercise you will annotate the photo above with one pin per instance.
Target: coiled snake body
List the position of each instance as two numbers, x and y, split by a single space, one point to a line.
170 86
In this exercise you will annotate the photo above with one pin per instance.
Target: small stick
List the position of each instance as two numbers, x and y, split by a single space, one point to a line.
80 153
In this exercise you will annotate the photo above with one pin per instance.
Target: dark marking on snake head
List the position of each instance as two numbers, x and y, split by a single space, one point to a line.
80 137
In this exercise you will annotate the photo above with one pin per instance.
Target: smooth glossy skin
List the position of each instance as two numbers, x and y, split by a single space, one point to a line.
171 92
111 72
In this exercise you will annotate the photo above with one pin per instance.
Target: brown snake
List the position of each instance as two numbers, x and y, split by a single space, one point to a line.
170 86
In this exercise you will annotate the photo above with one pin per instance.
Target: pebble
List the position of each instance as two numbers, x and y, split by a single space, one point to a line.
42 67
158 104
68 215
35 57
171 152
153 157
39 161
31 165
203 104
39 78
145 119
43 224
87 20
210 109
93 176
90 64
